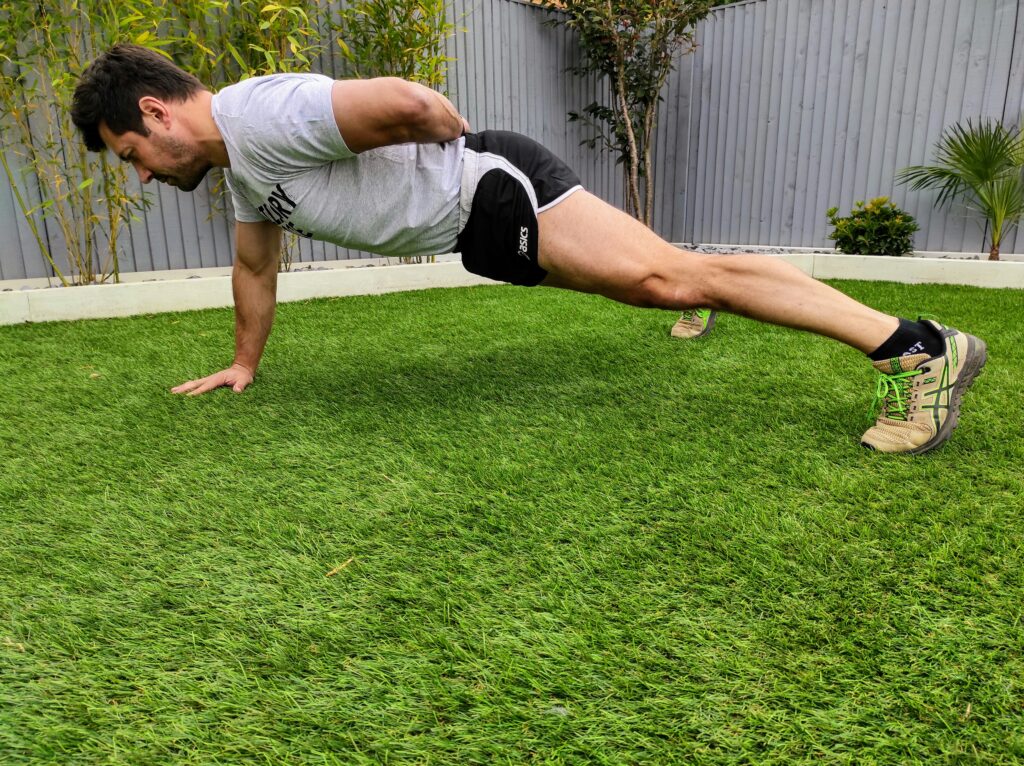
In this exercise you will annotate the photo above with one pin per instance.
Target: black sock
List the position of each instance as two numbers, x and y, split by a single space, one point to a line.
909 338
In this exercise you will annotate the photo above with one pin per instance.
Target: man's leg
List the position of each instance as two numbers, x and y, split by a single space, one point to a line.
589 246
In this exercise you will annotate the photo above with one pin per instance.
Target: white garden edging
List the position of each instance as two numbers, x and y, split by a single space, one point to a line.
211 288
910 270
780 249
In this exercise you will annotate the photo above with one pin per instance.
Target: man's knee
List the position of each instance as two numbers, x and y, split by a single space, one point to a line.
677 285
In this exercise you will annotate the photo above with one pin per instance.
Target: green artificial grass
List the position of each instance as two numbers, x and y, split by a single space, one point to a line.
568 537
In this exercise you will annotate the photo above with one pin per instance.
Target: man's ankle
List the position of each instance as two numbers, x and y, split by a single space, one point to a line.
910 338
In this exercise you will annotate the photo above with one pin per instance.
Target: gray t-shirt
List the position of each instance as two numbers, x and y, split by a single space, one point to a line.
290 166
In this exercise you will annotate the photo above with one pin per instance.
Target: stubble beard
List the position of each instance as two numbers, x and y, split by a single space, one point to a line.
189 168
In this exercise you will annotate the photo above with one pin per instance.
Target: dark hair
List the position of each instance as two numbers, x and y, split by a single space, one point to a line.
111 86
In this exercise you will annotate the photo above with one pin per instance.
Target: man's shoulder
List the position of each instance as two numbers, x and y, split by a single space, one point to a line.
257 92
261 112
280 123
271 80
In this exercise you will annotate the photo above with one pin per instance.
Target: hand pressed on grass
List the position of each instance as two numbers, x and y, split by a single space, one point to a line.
238 376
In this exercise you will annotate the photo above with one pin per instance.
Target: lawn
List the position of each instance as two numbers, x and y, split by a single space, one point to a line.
556 536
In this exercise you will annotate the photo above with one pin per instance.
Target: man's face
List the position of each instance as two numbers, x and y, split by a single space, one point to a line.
160 155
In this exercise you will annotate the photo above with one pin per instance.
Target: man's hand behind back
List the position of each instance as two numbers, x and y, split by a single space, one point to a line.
237 376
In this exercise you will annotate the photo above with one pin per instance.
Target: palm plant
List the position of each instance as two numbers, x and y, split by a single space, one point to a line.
982 164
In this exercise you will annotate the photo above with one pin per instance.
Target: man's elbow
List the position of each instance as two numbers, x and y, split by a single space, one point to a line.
420 115
419 111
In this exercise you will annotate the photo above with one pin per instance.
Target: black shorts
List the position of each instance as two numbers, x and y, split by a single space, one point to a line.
507 180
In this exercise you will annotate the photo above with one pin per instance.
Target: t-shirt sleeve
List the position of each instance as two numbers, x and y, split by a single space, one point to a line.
296 125
245 211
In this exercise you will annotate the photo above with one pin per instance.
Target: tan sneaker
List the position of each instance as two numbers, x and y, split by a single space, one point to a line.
919 397
694 323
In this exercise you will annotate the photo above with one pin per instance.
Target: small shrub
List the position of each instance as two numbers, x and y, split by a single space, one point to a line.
877 228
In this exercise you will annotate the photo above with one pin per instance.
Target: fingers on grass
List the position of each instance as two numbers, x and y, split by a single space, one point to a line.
207 384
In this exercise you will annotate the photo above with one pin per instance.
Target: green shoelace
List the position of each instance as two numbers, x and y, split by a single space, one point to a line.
689 314
892 395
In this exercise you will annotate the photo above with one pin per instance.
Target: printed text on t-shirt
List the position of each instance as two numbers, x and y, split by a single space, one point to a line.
279 208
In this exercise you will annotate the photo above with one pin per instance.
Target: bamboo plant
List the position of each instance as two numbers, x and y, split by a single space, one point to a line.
81 200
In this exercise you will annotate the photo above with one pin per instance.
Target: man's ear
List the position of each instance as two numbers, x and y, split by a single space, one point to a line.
155 109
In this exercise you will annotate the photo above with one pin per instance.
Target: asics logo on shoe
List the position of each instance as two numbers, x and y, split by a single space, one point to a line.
940 398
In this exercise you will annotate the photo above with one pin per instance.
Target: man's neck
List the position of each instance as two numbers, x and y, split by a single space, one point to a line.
199 114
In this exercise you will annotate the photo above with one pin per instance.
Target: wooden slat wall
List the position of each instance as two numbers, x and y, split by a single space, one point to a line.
786 108
805 104
510 73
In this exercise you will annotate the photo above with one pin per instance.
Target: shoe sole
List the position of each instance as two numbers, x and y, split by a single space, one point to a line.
977 355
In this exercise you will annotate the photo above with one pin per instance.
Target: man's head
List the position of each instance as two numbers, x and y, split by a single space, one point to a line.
131 100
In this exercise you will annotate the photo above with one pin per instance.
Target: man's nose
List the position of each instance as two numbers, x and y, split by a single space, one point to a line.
144 175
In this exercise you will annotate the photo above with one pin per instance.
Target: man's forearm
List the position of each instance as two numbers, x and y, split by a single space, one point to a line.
255 301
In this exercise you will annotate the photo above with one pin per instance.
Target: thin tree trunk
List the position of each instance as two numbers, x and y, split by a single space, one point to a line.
634 160
628 198
620 91
648 169
650 113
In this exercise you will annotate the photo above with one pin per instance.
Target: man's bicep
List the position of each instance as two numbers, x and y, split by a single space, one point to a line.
377 112
257 245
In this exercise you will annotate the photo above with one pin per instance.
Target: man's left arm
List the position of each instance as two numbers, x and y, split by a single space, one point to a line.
388 110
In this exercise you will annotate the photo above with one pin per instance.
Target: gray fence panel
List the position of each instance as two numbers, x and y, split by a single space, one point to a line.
786 108
1014 92
510 73
843 94
17 243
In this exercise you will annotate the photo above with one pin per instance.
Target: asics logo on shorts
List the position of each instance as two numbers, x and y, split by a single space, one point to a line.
524 242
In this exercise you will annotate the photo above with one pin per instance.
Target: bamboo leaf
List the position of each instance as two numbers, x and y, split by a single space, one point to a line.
236 56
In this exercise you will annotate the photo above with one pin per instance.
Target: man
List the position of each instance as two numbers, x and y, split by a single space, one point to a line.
391 167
